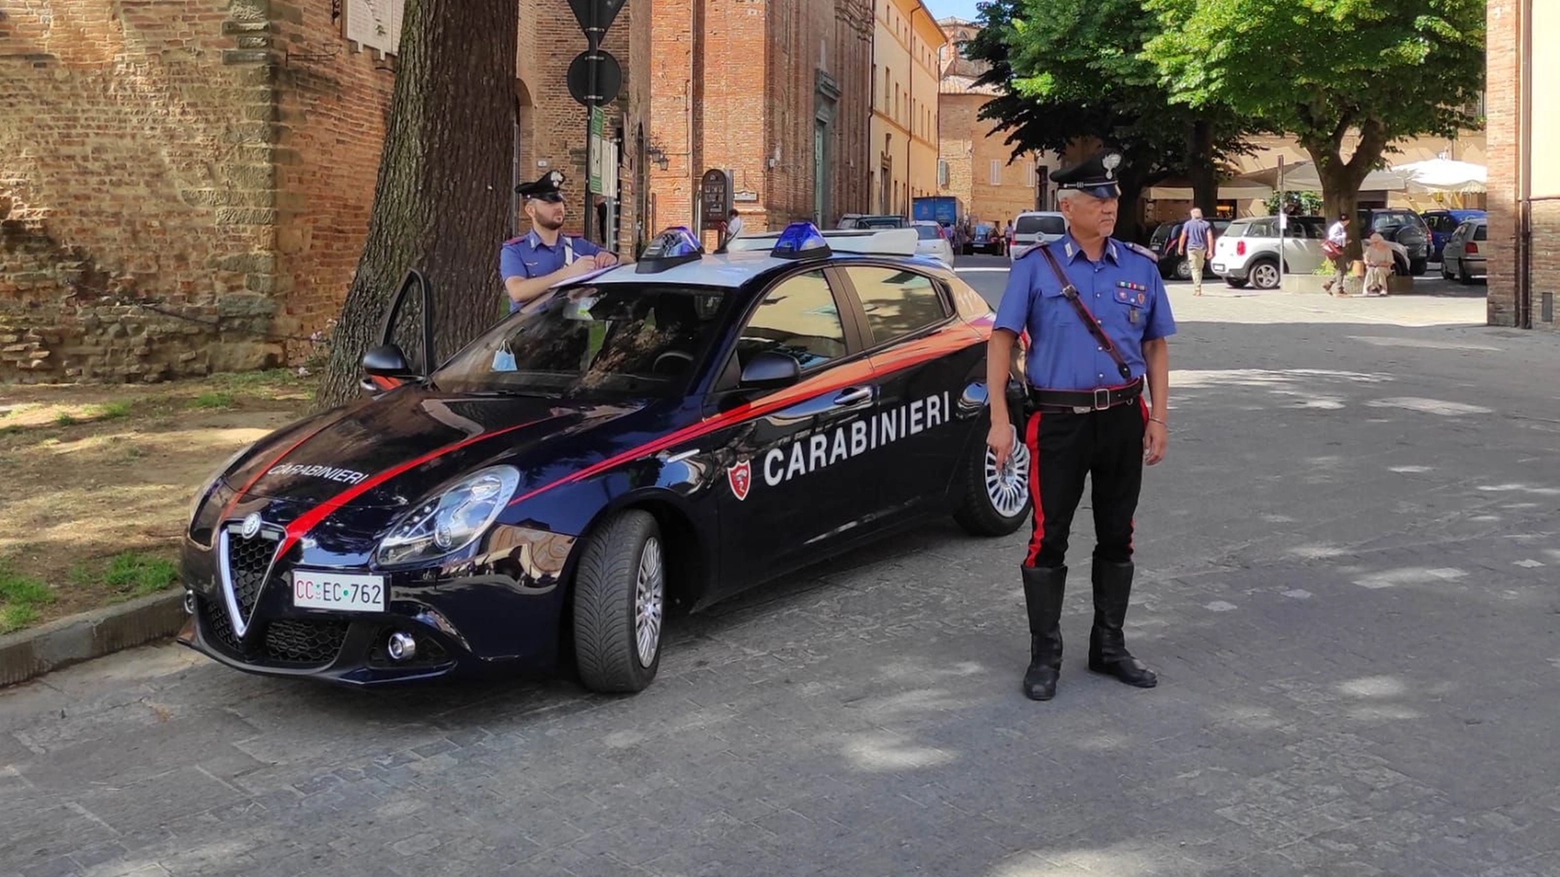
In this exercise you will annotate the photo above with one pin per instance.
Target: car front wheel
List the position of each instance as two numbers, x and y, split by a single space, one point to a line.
1183 269
996 500
1264 275
620 604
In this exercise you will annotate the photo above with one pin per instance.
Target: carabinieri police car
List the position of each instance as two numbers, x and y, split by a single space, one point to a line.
652 437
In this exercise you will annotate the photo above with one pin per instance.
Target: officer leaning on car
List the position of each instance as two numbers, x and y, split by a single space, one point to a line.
1097 319
536 260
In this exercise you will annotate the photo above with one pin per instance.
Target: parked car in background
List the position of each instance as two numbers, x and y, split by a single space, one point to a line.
1467 250
1163 243
870 220
932 240
1399 226
985 238
1442 223
1033 228
1247 252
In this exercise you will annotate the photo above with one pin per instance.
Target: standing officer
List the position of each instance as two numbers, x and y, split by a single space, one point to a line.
534 261
1097 317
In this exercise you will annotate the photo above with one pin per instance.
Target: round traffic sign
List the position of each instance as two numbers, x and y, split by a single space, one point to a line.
609 77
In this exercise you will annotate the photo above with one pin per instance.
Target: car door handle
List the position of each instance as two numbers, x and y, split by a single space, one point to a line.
854 396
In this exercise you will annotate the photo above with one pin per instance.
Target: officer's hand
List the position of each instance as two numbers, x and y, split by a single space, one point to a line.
1000 440
605 259
580 266
1156 438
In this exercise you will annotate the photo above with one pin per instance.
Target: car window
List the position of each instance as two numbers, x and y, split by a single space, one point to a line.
1387 221
1050 225
927 232
635 338
1263 228
797 318
1238 229
897 302
1481 232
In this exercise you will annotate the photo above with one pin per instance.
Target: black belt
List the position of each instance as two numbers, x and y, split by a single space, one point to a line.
1084 401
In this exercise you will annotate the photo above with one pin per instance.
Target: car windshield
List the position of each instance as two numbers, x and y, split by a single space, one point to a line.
615 339
880 222
1049 225
927 232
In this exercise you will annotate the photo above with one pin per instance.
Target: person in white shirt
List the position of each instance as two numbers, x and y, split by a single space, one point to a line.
1338 236
733 226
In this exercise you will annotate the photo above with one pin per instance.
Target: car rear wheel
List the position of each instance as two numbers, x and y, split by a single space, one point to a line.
1183 269
620 604
1264 275
996 501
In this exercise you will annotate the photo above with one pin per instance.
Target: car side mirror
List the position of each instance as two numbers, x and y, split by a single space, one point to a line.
387 360
770 371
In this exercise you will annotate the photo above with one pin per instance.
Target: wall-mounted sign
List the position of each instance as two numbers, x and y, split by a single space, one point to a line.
745 196
714 196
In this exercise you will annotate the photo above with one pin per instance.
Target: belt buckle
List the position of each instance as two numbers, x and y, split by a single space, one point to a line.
1101 399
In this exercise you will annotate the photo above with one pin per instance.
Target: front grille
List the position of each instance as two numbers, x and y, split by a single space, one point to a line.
248 561
304 641
218 630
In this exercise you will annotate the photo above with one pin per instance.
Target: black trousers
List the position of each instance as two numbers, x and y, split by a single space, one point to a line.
1106 446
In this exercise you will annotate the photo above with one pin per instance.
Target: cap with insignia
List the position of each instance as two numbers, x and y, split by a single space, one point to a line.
544 189
1098 175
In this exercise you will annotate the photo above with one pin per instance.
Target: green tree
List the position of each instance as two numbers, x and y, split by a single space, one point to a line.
441 202
1070 70
1323 70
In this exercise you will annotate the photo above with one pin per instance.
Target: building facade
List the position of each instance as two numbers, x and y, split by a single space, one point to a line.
187 184
976 164
1524 182
771 92
907 43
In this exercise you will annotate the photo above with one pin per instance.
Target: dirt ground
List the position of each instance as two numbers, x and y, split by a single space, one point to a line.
97 479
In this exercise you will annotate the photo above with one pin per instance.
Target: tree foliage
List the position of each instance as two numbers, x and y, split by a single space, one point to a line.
1324 70
1070 70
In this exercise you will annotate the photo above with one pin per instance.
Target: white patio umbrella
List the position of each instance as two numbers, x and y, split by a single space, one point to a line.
1302 177
1444 175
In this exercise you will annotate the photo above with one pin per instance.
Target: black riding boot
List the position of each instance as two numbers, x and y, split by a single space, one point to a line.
1107 644
1043 589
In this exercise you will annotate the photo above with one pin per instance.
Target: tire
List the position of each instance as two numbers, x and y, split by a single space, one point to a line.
995 504
1464 276
1264 275
1183 269
1419 268
618 630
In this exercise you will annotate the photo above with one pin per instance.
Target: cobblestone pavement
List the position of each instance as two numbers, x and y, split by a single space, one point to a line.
1347 582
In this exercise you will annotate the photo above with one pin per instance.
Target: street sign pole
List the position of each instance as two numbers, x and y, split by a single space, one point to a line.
1283 222
592 42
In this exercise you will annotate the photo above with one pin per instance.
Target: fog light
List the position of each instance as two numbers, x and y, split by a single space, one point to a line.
401 646
189 602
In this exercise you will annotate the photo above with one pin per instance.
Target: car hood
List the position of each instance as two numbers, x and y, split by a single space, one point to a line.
390 452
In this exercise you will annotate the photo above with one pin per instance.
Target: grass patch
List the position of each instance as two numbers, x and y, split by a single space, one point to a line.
20 597
213 401
66 420
139 574
114 410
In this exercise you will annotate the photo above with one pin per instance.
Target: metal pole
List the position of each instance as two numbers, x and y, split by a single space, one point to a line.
592 41
1283 222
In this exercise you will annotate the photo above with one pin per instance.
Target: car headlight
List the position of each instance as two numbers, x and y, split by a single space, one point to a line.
210 482
450 521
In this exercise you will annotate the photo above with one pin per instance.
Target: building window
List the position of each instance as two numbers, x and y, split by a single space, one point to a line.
996 172
942 173
1029 174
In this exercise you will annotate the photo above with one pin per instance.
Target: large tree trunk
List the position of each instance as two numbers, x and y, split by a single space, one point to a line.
442 199
1341 179
1200 169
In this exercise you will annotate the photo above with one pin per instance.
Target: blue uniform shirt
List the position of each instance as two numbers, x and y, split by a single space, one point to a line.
1124 292
526 256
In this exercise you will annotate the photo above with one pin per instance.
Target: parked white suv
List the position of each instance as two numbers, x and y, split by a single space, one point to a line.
1247 252
1033 228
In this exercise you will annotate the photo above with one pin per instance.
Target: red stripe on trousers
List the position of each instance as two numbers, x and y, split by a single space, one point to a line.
1032 440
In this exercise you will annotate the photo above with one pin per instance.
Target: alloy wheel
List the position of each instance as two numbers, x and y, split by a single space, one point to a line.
649 600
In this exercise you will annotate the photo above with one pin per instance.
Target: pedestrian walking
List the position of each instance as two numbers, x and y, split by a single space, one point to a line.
1378 265
536 260
1098 320
1335 247
1195 244
733 227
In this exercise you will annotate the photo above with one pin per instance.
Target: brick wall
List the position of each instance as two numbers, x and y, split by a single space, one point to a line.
969 148
136 139
851 66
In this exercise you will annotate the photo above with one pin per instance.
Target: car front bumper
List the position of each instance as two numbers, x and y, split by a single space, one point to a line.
499 610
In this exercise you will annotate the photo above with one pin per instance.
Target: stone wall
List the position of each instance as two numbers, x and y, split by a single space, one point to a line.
135 139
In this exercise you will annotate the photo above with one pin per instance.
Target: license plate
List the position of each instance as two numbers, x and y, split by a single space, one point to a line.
1218 267
342 592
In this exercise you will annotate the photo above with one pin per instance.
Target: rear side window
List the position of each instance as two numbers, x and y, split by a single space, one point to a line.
1238 229
1048 225
1481 232
897 302
927 232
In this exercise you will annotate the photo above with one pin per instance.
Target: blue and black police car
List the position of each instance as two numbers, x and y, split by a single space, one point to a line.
651 437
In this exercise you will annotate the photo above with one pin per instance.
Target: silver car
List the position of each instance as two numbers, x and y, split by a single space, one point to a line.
1467 251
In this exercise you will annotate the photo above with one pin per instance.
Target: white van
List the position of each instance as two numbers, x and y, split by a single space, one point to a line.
1033 228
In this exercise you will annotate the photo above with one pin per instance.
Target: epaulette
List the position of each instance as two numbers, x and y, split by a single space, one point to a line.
514 240
1141 250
